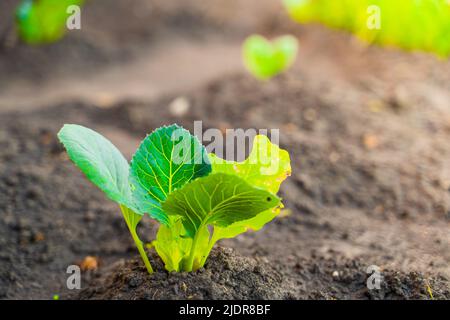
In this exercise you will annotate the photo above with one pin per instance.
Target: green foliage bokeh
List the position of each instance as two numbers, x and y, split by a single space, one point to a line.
43 21
408 24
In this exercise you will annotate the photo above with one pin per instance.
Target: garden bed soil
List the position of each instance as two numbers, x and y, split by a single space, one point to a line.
353 203
228 276
367 130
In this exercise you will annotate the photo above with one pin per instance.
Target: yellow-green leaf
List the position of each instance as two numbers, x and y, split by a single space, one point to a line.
266 167
219 200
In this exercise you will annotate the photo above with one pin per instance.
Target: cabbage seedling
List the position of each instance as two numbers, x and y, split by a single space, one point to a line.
196 197
265 59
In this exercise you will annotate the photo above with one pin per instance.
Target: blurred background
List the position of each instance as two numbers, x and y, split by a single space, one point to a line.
367 127
138 48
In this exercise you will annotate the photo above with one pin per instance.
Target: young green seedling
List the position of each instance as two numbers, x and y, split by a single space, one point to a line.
265 59
197 198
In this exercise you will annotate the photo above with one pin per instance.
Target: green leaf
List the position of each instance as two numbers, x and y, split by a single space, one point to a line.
99 160
265 59
218 200
107 168
166 160
43 21
266 167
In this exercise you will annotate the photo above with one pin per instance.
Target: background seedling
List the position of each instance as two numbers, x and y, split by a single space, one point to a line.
408 24
43 21
265 59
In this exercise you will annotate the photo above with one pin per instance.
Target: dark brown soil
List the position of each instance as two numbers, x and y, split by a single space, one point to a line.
50 215
229 276
367 130
53 217
225 276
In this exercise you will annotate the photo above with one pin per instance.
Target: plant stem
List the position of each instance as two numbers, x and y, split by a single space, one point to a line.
131 223
190 262
211 244
141 250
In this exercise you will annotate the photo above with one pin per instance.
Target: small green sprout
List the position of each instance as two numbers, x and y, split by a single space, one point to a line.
265 59
196 197
43 21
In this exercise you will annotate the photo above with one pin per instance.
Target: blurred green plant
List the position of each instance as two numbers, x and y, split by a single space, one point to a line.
43 21
265 59
408 24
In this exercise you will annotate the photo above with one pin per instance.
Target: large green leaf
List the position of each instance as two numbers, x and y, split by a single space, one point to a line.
107 168
266 167
43 21
166 160
218 200
99 160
